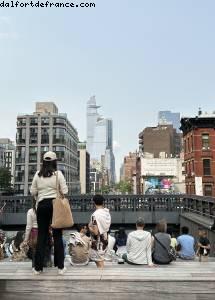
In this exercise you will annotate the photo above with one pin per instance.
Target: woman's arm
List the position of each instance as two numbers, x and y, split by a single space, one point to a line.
62 183
33 188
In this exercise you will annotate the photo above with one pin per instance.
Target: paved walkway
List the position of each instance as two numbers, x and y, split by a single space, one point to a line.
181 280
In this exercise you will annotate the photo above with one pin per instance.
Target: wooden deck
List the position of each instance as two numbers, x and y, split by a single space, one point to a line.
181 280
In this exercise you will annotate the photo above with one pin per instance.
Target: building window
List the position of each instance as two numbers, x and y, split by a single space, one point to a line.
44 121
33 136
188 145
21 122
206 167
21 136
193 166
205 141
33 154
20 154
185 145
207 190
33 121
192 144
59 121
45 136
59 136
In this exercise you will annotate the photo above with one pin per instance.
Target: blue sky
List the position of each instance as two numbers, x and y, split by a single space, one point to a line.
137 57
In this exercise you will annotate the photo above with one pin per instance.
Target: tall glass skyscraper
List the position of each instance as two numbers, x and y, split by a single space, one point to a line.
169 117
100 137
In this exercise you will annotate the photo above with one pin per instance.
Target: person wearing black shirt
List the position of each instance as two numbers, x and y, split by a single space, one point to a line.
203 245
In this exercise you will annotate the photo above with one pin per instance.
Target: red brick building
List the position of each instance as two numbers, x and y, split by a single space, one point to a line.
199 154
131 170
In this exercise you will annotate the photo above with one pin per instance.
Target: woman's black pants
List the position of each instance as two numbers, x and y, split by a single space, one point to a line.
44 219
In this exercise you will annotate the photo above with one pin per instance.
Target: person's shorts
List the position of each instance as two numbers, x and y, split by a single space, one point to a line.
97 255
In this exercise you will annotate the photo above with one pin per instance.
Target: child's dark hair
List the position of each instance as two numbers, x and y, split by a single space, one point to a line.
185 230
80 227
98 200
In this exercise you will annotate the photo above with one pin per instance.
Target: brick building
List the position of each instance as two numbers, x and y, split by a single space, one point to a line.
162 138
132 170
199 154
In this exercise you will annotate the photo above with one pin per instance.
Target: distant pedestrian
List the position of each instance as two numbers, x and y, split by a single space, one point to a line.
203 250
44 187
99 226
186 244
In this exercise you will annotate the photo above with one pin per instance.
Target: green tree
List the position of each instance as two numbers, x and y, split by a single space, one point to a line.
5 180
124 187
105 189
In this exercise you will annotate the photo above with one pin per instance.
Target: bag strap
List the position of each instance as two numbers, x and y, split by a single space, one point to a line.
162 245
57 185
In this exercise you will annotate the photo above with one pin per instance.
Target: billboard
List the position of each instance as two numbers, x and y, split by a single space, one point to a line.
165 183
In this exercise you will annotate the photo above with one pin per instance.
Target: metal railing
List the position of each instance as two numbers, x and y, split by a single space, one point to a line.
83 203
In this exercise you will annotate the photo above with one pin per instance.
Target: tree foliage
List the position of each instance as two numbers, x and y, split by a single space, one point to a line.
124 187
5 180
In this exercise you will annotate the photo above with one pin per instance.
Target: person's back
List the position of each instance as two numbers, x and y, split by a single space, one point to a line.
139 247
160 254
79 247
186 245
80 252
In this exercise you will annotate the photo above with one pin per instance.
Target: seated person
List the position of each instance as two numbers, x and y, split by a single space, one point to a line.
121 240
79 246
162 242
203 250
186 244
2 244
138 246
110 248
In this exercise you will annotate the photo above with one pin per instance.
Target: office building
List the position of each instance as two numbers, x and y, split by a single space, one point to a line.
84 168
160 140
8 156
168 117
132 171
45 130
100 137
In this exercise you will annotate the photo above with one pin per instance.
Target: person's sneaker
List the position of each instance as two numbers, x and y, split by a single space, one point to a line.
62 271
36 272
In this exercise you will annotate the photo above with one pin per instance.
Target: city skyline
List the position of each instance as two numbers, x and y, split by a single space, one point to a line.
150 57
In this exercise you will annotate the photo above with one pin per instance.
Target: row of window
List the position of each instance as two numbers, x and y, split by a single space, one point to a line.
206 163
44 121
189 143
207 189
60 136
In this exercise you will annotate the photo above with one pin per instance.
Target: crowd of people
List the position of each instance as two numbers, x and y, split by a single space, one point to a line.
93 241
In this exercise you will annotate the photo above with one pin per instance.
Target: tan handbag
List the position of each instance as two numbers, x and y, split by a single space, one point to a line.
62 214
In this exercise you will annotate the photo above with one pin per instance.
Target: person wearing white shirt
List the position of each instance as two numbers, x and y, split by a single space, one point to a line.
138 246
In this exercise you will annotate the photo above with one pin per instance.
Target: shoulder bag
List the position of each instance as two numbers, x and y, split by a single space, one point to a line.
62 214
171 253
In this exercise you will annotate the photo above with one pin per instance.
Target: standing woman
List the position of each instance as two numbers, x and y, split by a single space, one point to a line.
44 187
